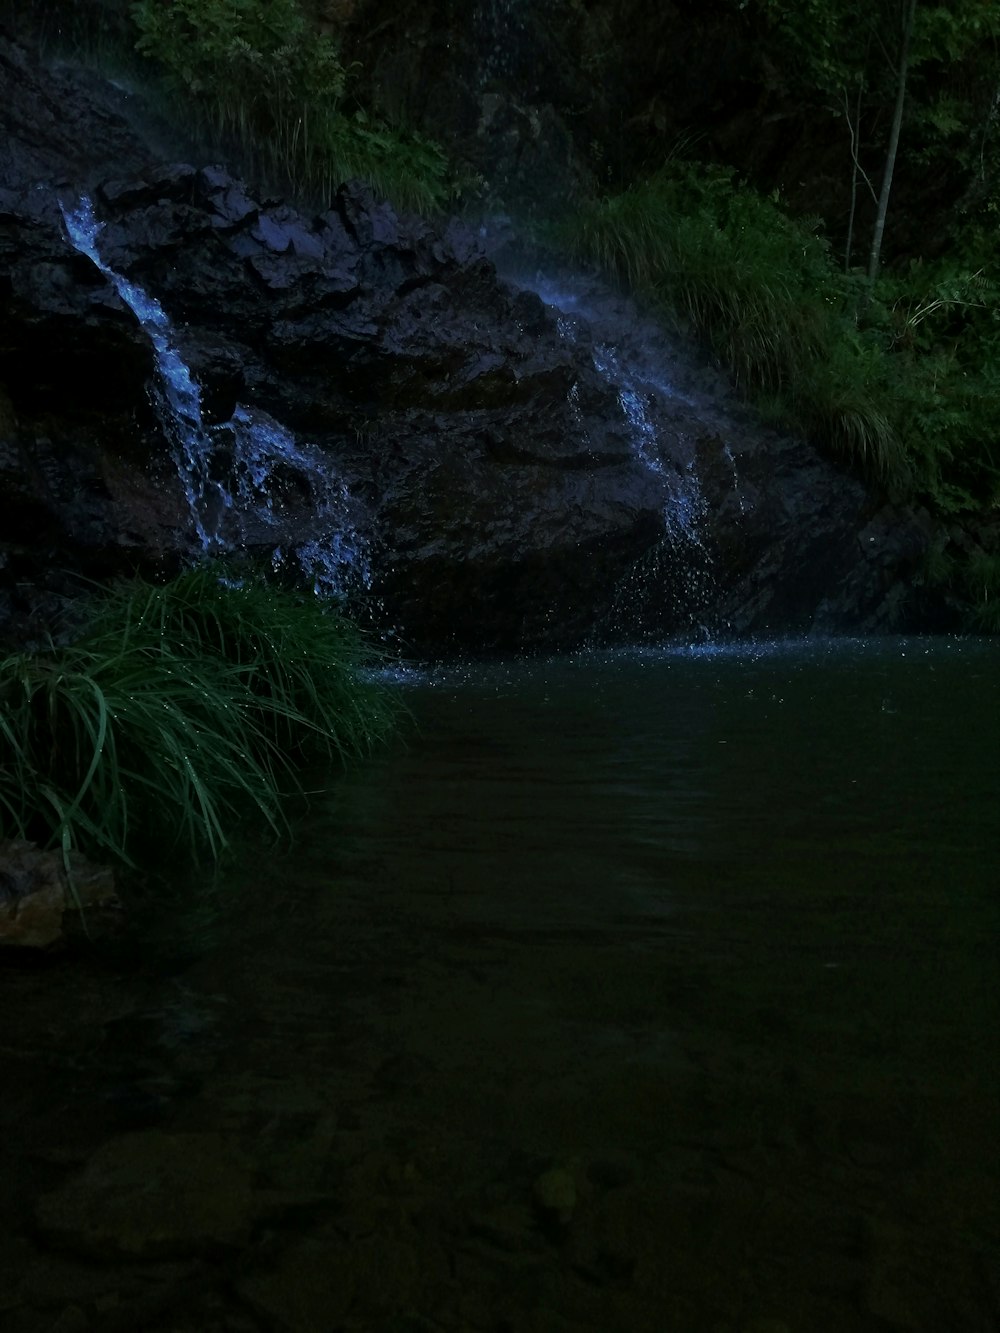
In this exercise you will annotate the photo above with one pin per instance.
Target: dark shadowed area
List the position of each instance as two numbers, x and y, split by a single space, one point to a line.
652 990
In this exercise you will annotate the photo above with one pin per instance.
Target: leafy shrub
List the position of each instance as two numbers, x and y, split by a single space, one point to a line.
982 587
941 322
905 386
973 579
177 709
257 74
844 400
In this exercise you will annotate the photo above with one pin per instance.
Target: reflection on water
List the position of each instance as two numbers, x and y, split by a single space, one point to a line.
650 990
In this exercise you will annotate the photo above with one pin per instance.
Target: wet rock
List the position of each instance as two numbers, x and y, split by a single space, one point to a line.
122 1298
40 903
152 1195
318 1281
612 1172
173 182
889 1284
513 494
402 1072
881 1141
889 1297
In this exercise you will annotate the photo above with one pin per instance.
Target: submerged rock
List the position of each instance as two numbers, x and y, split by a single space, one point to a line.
40 903
152 1195
555 1194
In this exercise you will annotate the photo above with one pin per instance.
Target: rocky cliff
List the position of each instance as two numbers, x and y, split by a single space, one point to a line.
521 472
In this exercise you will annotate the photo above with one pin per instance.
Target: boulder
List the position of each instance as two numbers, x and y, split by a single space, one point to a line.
40 902
152 1195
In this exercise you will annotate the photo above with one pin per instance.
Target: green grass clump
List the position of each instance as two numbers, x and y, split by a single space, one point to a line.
972 578
902 381
256 74
845 401
724 259
178 709
760 288
941 322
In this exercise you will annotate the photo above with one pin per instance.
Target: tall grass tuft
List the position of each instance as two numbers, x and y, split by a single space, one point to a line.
846 400
177 710
255 74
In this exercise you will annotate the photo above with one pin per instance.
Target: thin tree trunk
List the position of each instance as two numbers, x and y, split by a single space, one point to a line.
909 11
857 171
849 245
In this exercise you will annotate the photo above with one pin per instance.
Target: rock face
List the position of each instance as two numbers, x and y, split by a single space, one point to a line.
515 483
546 100
36 898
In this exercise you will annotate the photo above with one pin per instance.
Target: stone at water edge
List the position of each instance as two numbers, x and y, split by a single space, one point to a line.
37 903
152 1195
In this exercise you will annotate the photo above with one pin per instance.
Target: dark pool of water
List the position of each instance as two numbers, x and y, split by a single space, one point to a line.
652 990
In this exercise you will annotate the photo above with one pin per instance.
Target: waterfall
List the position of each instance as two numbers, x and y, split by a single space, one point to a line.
678 577
500 30
682 562
243 476
680 568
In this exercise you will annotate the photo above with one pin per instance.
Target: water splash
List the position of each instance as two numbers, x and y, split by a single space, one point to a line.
272 475
638 391
675 580
635 407
176 395
242 478
500 30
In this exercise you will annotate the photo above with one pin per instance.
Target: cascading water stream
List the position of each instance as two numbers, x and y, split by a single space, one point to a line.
176 395
681 569
500 27
235 473
683 560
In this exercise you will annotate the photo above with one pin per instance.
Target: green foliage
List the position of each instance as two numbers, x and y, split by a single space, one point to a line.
826 46
256 74
910 393
879 63
177 709
844 401
826 43
981 577
731 262
763 292
941 323
973 578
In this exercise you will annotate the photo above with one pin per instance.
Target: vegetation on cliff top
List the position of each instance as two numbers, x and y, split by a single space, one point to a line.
893 365
902 378
255 80
256 74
